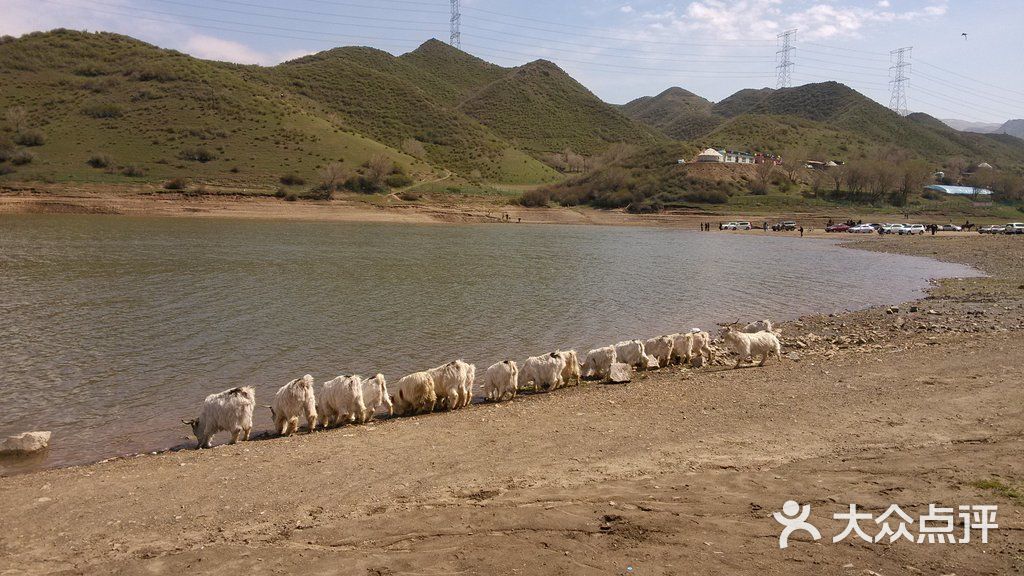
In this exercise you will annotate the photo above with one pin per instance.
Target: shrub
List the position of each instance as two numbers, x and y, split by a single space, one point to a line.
398 181
535 198
931 195
647 206
175 184
363 184
158 72
320 193
292 179
5 170
291 197
196 154
99 160
280 193
133 170
22 157
235 170
6 148
707 197
30 137
410 196
102 110
90 70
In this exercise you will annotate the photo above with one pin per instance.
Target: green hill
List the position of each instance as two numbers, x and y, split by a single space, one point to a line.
160 114
677 113
540 108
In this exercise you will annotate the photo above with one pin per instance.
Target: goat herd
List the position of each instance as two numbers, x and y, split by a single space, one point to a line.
351 399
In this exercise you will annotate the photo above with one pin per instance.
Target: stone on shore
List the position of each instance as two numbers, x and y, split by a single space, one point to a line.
25 443
651 362
620 373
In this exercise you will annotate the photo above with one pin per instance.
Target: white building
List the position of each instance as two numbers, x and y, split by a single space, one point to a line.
709 155
738 158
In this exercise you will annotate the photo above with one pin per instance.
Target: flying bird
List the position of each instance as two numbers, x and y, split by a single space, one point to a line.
964 34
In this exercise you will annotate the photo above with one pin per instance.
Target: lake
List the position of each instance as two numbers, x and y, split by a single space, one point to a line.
114 328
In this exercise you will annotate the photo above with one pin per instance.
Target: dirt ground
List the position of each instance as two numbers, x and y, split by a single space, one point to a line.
677 472
145 200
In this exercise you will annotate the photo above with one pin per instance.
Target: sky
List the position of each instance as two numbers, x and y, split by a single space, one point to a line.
619 49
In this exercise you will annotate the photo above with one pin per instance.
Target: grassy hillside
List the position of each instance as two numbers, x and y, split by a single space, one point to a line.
676 112
151 114
542 109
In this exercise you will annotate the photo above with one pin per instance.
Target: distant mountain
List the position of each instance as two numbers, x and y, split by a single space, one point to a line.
676 112
968 126
1013 128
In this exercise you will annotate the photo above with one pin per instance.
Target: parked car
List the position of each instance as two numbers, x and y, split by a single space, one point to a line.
862 229
892 228
788 225
741 226
842 227
949 228
992 229
729 226
910 229
1015 228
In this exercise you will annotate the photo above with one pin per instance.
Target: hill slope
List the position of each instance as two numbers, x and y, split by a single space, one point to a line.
1012 127
540 108
163 113
676 112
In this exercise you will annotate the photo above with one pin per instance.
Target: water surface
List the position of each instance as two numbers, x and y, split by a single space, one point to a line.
114 328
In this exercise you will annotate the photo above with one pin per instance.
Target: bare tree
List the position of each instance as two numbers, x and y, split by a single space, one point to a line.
913 175
763 173
414 148
838 176
378 168
881 179
333 176
17 118
956 167
793 162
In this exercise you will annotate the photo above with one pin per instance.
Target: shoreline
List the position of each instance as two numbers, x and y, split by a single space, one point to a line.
143 201
848 416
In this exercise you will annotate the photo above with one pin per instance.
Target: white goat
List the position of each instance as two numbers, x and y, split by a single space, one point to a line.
544 371
340 400
453 383
631 352
414 394
661 348
375 395
690 344
227 411
571 372
599 362
293 400
748 345
758 326
501 381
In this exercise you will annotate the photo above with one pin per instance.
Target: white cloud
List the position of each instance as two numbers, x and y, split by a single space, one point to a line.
763 19
627 9
213 48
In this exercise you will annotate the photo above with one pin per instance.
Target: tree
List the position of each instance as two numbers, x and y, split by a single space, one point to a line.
333 176
793 162
414 148
763 173
377 169
913 175
838 176
881 179
955 167
17 118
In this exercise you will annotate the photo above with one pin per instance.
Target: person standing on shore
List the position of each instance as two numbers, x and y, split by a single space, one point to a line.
801 231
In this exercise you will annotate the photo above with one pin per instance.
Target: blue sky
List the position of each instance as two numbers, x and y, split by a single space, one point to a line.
619 49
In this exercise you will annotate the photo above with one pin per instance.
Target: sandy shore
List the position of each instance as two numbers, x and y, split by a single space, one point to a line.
151 202
675 473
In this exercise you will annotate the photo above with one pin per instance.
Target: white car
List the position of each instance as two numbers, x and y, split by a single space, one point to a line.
862 229
949 228
1015 228
729 226
742 226
912 229
892 228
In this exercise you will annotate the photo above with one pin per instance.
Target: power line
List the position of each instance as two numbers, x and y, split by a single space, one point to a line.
969 78
901 78
784 70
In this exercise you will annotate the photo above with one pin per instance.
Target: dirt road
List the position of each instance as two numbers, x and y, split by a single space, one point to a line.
677 472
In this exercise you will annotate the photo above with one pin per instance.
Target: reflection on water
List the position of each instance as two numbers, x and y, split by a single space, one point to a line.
114 328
